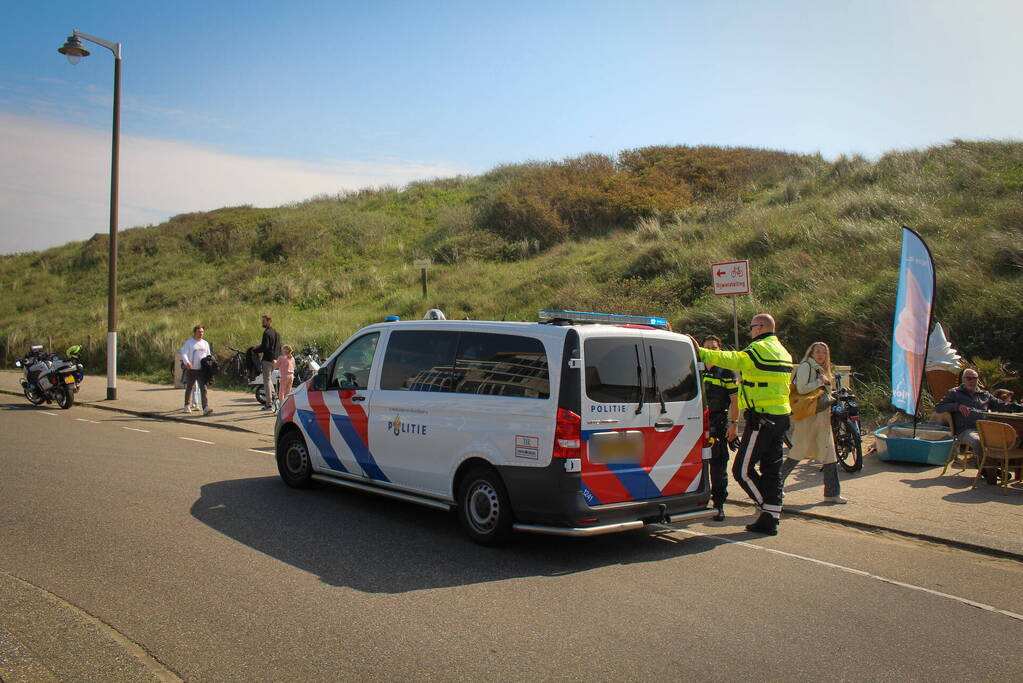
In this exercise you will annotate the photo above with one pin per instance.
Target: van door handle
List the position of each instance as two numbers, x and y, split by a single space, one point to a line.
663 425
358 398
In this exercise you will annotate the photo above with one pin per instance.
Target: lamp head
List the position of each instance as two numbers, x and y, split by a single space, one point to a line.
73 50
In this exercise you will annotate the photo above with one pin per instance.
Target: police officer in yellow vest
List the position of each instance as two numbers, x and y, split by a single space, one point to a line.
766 368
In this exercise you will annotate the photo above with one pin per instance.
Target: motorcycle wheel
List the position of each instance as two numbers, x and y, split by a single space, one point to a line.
848 446
33 396
66 397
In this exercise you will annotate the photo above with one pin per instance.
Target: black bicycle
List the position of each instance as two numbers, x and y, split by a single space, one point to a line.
845 425
238 367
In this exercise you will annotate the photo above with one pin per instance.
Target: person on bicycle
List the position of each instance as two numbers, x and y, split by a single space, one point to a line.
720 392
764 397
811 436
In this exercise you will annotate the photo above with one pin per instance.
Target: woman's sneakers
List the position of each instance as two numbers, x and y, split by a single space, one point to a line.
837 500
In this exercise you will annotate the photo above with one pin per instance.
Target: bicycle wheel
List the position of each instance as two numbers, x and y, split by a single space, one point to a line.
848 445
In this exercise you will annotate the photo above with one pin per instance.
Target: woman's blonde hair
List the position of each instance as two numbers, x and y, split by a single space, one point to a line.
287 350
827 355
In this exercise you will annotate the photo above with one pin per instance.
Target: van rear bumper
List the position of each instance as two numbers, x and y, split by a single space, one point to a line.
549 500
683 517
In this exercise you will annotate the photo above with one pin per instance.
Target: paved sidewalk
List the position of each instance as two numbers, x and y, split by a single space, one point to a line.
236 410
909 499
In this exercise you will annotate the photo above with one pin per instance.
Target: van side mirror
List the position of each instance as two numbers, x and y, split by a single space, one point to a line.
319 381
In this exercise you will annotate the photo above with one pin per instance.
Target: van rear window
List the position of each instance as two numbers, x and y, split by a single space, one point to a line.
613 370
676 370
501 365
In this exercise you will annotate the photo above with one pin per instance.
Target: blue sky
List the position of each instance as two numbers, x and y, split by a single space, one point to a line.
263 103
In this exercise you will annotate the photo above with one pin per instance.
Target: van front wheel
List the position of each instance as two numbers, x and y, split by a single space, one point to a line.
293 461
483 508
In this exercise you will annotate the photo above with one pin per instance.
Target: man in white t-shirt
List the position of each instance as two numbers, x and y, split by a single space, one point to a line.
194 350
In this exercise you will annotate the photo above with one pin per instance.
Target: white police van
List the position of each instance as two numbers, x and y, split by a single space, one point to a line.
579 425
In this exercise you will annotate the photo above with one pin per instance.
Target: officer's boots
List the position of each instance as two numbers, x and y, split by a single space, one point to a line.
766 524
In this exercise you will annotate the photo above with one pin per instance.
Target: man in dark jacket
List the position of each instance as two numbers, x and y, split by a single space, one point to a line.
269 348
720 394
967 403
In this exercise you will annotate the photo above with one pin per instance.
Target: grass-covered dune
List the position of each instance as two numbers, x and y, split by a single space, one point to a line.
634 233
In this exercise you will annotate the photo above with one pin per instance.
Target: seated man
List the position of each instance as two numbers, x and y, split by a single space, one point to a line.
967 403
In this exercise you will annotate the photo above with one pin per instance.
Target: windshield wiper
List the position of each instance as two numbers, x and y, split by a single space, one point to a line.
653 375
639 379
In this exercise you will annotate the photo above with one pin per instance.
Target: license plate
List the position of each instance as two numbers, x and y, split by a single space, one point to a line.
624 446
69 379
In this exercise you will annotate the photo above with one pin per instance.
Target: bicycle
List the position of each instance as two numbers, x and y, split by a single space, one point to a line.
845 425
238 367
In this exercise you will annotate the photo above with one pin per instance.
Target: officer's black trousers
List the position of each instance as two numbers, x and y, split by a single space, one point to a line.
718 459
757 466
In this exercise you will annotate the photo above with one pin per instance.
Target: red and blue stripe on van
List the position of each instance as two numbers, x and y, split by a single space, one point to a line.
680 471
351 424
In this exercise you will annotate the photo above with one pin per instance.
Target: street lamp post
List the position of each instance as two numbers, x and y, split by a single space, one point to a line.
74 51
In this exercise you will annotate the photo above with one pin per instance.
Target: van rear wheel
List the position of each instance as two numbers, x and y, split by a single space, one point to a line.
483 507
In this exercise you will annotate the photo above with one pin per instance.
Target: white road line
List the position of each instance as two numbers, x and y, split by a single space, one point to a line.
256 450
133 429
197 440
858 572
82 419
43 412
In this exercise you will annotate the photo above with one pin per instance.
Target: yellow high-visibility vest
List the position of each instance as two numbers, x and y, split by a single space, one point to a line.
766 369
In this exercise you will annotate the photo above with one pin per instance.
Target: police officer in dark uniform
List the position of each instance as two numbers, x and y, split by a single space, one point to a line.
766 368
719 392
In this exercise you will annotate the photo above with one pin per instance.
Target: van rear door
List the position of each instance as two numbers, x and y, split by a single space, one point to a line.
641 417
675 440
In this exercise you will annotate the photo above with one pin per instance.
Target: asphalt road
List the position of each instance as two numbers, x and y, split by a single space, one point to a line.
136 549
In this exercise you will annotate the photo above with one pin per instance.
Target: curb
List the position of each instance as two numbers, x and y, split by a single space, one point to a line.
867 526
155 416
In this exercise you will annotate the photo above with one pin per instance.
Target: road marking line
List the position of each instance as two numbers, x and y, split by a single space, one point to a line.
133 429
256 450
197 440
43 412
858 572
82 419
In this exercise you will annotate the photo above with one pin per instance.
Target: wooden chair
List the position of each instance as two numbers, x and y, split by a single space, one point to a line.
999 442
960 452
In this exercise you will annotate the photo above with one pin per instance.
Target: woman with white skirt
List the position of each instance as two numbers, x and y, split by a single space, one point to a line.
811 436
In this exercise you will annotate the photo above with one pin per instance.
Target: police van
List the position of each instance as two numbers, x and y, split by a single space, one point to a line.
581 424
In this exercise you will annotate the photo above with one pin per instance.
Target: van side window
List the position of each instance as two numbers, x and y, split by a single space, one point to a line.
611 369
352 366
501 365
419 360
676 370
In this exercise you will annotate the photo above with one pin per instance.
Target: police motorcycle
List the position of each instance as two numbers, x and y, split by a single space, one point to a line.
49 378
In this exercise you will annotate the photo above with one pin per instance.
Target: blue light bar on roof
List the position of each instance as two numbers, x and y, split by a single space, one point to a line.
606 318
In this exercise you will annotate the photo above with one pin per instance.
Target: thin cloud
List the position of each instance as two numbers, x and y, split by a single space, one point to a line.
55 181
